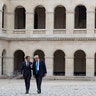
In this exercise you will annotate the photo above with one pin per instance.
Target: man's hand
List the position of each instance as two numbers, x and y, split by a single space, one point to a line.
31 65
21 76
45 75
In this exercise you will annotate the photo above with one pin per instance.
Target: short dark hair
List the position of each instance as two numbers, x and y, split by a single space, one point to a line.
27 57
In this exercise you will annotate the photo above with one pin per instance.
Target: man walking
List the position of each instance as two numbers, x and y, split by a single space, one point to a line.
26 71
39 71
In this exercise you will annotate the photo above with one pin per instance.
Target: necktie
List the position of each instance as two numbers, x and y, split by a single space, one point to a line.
36 67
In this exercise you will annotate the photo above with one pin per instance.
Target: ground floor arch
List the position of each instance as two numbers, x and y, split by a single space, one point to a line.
79 63
59 63
18 58
95 65
3 72
40 53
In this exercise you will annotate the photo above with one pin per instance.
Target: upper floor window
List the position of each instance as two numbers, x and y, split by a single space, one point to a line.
4 16
95 18
60 17
20 18
39 17
80 17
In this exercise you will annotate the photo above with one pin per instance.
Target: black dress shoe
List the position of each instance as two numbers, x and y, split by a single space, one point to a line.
27 93
39 92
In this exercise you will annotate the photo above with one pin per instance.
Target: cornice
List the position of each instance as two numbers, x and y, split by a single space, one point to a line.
49 38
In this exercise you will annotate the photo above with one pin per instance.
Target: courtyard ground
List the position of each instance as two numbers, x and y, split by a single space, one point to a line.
15 87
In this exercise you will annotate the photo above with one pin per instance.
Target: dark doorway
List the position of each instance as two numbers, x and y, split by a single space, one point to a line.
59 63
18 59
79 63
4 62
40 53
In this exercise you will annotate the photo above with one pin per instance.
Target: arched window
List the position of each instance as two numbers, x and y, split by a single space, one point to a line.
4 16
95 18
20 18
80 17
60 18
39 17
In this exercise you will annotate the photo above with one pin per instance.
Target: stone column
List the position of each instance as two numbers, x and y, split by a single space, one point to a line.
69 66
49 22
69 22
10 66
89 66
29 22
49 65
90 22
10 22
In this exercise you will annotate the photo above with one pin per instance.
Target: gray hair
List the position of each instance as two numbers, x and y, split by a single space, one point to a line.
36 56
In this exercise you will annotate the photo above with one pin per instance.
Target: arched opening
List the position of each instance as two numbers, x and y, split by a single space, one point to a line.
40 53
4 62
20 18
95 65
60 18
18 59
80 17
4 16
39 18
79 63
95 18
59 63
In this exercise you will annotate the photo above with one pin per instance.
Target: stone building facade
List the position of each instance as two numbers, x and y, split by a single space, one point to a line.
62 32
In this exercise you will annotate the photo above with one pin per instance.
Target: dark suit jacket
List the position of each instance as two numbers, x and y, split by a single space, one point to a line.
42 68
26 70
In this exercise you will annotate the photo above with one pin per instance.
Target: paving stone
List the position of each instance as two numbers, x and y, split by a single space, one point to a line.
11 87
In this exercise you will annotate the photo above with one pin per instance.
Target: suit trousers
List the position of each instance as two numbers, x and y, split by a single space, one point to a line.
27 83
38 82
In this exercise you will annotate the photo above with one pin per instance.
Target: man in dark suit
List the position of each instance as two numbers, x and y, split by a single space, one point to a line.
39 71
26 71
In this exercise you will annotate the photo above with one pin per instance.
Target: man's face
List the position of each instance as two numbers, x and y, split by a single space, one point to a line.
28 59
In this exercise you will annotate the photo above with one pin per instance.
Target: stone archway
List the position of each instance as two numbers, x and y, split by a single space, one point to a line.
4 67
79 63
40 53
18 59
95 65
59 63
